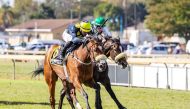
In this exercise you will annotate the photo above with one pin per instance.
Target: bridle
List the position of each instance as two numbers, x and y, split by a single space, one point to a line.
110 47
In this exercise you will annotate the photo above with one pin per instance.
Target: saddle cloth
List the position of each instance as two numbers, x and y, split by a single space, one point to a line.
56 53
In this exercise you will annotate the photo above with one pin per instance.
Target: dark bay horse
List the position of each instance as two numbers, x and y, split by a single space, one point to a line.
114 51
79 68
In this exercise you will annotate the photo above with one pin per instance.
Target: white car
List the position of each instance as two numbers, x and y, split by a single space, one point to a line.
158 49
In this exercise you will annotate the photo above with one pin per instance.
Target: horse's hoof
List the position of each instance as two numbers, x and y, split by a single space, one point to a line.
124 108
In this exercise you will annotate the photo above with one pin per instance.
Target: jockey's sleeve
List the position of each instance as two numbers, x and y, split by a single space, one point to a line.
72 31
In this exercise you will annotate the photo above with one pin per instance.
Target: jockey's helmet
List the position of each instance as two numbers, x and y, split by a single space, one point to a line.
85 26
99 21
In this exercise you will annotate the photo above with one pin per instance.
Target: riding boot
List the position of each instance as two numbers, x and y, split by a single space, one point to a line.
61 53
64 49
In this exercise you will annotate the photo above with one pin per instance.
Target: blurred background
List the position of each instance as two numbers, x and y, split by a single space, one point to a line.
144 26
155 35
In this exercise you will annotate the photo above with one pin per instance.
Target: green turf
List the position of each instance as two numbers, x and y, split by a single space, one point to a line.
33 94
22 69
28 93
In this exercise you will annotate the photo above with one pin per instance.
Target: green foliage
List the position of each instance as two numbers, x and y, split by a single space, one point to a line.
23 9
169 16
140 13
87 7
44 12
109 11
22 6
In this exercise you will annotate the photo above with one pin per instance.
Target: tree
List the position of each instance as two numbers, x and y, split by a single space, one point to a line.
44 12
111 12
6 16
23 9
169 17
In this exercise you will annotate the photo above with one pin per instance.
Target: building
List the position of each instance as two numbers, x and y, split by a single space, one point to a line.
38 29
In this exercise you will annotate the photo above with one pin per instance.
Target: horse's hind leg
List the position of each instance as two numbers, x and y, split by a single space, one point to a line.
52 93
107 85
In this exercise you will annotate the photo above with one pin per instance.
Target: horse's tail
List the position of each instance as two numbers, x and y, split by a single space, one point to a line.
39 70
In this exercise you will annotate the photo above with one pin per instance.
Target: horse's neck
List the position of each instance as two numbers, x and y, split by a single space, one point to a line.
83 54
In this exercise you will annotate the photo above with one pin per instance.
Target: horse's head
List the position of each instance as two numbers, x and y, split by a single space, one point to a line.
113 50
95 48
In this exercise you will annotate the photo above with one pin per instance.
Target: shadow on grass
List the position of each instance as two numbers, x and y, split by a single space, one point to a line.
20 103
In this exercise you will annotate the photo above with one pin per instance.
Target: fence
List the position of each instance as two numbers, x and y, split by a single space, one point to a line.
153 76
155 71
19 64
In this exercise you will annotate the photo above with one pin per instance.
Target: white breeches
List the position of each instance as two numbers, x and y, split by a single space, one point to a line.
66 37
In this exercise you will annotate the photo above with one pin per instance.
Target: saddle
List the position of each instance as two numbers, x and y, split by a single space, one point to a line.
56 54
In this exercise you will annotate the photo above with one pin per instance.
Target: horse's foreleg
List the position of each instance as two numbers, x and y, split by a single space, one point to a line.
64 91
68 90
96 86
98 101
79 87
62 95
73 95
112 94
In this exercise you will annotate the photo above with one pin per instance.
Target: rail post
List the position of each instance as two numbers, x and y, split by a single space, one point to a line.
167 86
14 71
186 79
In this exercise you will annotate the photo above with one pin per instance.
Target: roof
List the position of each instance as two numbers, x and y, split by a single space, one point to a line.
42 24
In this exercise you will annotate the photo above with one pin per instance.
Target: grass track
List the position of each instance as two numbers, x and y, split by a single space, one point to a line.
33 94
27 93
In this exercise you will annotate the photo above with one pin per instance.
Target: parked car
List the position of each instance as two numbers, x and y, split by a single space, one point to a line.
35 46
126 45
38 44
19 46
158 49
4 44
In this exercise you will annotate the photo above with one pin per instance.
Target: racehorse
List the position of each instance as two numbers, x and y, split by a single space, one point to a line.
79 68
113 50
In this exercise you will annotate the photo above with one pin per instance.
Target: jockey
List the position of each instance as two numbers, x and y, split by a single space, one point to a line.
98 26
73 35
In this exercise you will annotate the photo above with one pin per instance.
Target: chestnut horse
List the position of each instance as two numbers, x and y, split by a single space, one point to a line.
79 68
113 50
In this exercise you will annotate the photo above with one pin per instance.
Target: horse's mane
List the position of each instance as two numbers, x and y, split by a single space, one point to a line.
87 39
